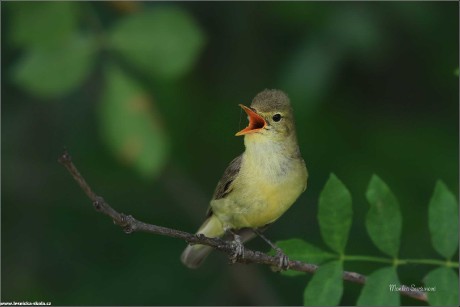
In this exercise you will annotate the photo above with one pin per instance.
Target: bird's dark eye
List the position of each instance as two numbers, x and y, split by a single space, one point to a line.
277 117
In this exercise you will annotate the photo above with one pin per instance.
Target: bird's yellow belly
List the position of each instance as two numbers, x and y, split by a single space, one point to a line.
258 205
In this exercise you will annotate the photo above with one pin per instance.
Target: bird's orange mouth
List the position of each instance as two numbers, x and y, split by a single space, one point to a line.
256 122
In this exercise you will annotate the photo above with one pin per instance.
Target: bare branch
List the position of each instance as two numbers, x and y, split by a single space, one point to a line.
130 224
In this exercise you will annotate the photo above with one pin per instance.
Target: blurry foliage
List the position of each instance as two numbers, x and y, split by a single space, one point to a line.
164 42
42 24
383 223
156 85
130 125
55 71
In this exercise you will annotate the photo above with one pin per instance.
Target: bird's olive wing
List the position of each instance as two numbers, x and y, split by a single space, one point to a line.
225 183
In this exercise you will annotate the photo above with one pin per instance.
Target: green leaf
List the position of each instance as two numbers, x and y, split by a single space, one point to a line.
53 72
383 221
42 24
298 249
164 42
380 289
443 220
335 214
131 125
326 286
442 287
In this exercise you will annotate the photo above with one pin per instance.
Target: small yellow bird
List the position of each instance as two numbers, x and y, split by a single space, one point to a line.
259 185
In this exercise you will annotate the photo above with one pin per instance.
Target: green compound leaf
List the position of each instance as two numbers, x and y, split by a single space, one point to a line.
53 72
326 286
443 221
130 124
381 289
164 42
42 24
383 221
335 214
442 287
298 249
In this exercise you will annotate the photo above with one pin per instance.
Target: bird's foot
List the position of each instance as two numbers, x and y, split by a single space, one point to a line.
283 260
238 249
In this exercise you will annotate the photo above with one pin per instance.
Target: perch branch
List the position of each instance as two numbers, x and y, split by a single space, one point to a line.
129 224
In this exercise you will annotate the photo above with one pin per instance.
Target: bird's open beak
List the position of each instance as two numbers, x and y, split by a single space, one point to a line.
256 122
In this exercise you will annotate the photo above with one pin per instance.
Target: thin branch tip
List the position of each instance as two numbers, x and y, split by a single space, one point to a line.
65 157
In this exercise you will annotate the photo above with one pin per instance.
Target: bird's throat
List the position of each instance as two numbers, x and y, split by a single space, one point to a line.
269 158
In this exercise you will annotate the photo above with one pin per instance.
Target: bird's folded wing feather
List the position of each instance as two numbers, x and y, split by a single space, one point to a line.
224 186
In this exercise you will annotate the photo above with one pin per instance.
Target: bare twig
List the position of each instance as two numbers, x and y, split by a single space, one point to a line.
129 224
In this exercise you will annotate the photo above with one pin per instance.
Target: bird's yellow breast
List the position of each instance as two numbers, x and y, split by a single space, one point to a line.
268 202
266 186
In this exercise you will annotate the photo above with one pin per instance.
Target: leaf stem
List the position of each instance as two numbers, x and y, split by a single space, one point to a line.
432 262
400 261
367 258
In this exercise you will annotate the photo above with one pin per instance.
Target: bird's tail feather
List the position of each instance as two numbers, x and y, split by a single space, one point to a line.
194 255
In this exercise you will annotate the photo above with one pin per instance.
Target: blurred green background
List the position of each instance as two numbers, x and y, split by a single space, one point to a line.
145 95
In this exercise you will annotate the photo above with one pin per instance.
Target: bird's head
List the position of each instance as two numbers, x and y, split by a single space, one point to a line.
270 115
